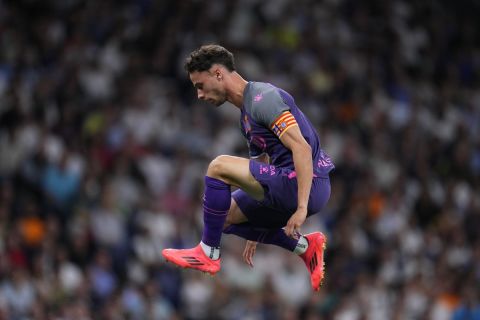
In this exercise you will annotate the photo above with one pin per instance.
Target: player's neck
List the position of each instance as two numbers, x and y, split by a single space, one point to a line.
236 89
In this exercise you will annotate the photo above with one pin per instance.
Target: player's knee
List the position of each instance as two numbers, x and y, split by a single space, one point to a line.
227 229
229 221
216 168
235 216
226 226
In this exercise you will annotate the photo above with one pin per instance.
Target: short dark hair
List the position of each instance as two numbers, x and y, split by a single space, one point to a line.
204 57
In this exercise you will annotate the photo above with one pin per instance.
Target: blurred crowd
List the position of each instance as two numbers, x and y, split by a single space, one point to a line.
103 149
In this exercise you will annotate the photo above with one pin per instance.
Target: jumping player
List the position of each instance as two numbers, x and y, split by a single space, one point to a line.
285 180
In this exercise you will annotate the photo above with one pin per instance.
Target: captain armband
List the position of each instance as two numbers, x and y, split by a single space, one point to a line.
284 122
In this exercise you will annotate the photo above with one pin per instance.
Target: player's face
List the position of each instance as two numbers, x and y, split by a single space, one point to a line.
210 86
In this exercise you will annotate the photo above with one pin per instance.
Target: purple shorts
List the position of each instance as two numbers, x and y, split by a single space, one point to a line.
280 196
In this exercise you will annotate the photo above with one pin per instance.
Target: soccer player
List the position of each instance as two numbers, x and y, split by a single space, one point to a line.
285 180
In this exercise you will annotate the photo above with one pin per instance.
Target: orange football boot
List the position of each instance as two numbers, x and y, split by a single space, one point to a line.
193 258
313 258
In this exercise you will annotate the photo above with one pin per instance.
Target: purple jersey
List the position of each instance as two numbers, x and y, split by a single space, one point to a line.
265 115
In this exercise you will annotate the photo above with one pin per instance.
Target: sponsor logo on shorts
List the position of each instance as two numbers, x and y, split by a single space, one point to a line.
268 170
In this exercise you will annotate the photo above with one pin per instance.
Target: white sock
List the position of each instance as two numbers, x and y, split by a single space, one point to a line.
302 246
211 252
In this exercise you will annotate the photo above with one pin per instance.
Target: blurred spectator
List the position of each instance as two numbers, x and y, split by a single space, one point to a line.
19 293
103 147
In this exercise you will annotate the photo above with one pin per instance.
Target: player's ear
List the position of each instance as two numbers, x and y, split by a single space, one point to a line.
218 74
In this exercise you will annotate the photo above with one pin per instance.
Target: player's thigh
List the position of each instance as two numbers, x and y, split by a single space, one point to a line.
235 171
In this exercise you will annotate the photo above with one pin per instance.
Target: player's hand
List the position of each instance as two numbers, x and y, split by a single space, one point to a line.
249 251
295 222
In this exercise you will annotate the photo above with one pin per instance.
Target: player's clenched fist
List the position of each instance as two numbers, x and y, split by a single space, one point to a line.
295 222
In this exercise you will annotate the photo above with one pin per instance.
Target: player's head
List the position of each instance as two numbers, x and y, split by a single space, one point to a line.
208 67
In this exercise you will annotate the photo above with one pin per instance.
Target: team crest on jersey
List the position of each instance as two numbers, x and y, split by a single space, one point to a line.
258 97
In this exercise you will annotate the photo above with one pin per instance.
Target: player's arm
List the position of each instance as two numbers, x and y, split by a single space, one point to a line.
293 139
273 112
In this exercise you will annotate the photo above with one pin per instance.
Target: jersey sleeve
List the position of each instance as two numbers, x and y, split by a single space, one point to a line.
269 110
283 122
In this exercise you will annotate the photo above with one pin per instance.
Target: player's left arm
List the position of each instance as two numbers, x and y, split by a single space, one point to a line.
293 139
